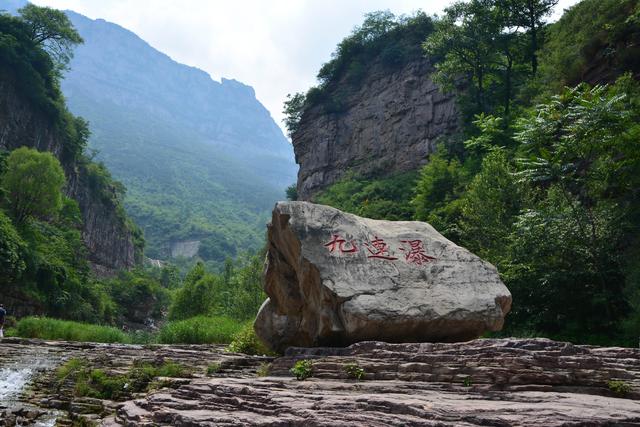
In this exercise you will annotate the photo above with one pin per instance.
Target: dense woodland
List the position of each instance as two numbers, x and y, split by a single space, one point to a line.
544 178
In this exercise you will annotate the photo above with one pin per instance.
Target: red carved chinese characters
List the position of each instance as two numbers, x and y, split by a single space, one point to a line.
379 249
416 253
339 243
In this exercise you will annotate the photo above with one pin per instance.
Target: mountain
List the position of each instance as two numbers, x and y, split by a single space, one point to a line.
203 161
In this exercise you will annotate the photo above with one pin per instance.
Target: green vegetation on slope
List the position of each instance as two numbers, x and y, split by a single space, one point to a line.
392 40
594 41
201 160
548 192
43 259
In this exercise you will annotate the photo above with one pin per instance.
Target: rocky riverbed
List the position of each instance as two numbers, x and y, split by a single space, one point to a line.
498 382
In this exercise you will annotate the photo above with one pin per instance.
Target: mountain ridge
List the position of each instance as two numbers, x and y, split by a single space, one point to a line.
201 159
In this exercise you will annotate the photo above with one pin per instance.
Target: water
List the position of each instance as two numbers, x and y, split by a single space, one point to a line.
15 375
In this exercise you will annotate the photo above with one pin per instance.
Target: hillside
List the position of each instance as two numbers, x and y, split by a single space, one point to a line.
538 178
202 161
62 223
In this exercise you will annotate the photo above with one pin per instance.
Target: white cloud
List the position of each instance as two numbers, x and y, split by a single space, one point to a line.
276 46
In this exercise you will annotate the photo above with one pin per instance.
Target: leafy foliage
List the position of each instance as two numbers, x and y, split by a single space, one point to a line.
236 292
548 192
383 198
33 183
302 369
99 384
353 370
619 387
246 341
391 40
595 41
52 30
12 263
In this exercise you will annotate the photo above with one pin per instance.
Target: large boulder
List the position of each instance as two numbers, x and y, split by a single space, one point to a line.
334 279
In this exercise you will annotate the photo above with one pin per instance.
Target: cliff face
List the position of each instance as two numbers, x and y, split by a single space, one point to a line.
388 125
109 241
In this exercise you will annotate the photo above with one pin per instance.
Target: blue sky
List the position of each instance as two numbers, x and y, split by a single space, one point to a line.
276 46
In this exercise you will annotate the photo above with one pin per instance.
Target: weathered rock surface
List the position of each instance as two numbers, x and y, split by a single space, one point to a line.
482 382
498 382
389 125
334 278
35 362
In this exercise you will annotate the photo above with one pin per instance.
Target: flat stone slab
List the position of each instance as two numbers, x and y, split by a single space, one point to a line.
334 279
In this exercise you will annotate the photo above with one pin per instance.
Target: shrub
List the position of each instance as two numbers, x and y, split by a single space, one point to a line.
302 370
354 371
246 341
200 330
619 387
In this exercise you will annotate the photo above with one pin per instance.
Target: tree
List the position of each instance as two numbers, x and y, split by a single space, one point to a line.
529 15
293 109
465 39
438 191
292 192
11 248
479 41
52 30
490 206
33 182
196 296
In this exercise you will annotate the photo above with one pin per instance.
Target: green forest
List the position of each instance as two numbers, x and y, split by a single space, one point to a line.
543 178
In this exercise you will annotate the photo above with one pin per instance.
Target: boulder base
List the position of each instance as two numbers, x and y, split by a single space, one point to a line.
334 279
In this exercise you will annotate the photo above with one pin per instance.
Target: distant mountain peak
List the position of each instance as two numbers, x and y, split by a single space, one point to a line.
201 159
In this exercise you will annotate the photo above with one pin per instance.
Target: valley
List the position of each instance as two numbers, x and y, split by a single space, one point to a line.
446 235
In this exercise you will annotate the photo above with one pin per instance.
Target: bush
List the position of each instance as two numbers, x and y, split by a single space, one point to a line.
619 387
246 341
200 330
354 371
302 370
54 329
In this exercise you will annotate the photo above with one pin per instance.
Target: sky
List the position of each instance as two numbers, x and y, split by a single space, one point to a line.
276 46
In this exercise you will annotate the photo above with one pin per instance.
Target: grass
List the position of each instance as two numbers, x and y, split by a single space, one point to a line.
197 330
213 368
200 330
100 384
55 329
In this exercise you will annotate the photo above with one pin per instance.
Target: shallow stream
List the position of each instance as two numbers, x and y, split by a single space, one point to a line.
16 374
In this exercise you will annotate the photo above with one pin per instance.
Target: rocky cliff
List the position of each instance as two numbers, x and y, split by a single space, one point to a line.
109 240
389 124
